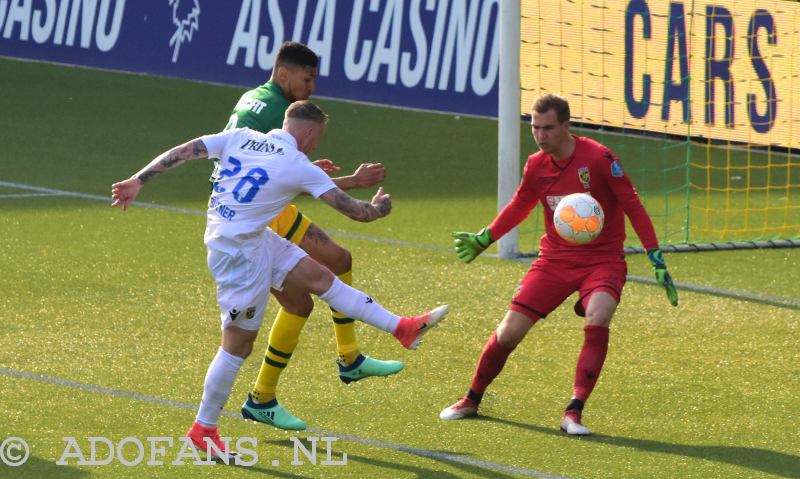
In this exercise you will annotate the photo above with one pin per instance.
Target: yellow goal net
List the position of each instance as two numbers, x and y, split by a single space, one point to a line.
700 99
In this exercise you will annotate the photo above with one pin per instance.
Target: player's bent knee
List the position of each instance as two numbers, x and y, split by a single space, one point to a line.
599 316
242 350
600 309
327 252
324 281
300 306
308 276
318 279
245 351
507 338
512 329
334 257
238 342
298 303
344 262
598 320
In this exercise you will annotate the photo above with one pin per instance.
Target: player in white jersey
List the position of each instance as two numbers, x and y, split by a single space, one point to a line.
261 174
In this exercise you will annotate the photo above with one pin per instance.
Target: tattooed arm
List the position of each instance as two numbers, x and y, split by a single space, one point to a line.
124 192
365 176
359 210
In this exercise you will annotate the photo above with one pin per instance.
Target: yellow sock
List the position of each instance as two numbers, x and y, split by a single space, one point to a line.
345 329
283 338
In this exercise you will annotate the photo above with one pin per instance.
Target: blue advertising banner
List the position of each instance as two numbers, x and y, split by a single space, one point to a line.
431 54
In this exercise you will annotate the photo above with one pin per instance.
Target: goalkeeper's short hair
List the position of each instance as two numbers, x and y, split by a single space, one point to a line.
548 102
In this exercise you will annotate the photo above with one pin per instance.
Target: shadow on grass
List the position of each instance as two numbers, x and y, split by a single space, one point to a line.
421 472
274 472
764 460
36 467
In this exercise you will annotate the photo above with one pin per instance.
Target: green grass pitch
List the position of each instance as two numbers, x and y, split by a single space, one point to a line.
97 303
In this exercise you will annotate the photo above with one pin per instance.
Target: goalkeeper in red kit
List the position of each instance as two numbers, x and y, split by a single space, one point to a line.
564 165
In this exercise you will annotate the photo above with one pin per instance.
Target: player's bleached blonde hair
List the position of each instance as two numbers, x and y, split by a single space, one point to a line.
548 102
307 111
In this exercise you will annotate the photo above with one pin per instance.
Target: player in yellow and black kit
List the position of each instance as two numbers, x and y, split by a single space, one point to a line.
262 109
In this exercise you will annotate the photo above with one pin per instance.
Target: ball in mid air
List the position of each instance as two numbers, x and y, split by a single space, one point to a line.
578 218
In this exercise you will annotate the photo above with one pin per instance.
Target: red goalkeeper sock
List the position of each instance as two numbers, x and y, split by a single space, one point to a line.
590 361
492 360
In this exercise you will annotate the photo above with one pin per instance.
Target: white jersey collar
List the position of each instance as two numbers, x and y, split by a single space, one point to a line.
285 136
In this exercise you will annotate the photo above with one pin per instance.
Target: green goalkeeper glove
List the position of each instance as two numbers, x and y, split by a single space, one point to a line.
470 245
662 276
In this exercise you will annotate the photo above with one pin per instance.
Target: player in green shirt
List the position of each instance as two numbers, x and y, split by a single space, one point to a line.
262 109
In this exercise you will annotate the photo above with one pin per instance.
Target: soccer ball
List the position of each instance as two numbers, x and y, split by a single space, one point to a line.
578 218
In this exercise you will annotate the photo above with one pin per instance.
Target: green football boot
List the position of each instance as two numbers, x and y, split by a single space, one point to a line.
271 413
365 366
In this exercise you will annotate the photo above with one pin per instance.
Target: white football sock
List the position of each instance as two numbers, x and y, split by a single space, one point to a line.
358 305
219 383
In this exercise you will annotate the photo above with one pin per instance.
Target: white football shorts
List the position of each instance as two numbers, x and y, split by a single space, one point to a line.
245 278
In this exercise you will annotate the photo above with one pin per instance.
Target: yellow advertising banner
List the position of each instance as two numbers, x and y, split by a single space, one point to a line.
725 70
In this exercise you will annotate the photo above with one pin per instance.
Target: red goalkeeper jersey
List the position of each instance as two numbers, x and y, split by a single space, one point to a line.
592 169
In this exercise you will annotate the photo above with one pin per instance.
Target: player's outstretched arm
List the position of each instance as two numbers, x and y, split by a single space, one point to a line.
124 192
358 210
365 176
469 245
327 166
662 275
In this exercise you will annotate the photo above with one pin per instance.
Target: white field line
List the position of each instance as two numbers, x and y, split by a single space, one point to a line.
780 301
492 466
27 195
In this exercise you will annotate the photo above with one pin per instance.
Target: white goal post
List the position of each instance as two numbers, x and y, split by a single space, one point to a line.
508 119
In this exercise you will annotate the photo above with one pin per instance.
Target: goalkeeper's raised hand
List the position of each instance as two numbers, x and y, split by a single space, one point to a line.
470 245
662 275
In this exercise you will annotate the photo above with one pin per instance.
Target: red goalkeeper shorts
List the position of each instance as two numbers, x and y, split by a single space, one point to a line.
550 282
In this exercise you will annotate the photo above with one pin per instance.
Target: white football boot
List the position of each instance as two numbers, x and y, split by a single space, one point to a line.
571 424
466 407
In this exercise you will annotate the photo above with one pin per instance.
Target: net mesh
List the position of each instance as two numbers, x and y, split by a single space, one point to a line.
700 100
